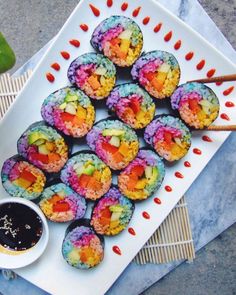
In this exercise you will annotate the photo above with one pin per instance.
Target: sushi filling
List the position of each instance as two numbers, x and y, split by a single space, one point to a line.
169 136
87 175
197 104
132 105
112 213
114 142
21 179
120 39
61 204
142 177
94 74
158 72
44 147
82 248
70 111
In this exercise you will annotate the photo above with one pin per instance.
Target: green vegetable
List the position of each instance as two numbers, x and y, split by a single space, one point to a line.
89 170
7 56
154 176
112 132
37 138
115 141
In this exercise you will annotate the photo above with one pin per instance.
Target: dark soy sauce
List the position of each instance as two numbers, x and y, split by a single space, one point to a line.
20 227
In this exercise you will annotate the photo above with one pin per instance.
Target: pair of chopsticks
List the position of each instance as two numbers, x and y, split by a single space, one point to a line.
225 78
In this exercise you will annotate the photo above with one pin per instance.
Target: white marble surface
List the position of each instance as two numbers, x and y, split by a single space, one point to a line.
210 213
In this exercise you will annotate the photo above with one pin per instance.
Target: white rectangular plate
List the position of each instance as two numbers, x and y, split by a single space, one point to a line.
51 272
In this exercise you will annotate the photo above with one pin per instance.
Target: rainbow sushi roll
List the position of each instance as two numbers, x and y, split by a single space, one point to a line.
22 179
44 147
70 111
60 203
119 38
169 136
143 176
197 104
112 213
133 105
158 72
94 74
114 142
87 175
82 248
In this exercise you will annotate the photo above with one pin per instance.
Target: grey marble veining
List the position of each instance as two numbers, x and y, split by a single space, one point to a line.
211 198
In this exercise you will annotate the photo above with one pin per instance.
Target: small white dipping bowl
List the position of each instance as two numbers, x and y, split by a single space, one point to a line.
23 258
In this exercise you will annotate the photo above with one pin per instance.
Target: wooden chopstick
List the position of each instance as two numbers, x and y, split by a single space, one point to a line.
221 128
225 78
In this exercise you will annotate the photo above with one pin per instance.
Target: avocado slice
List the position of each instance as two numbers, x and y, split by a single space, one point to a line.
43 149
35 136
89 170
115 216
112 132
116 208
63 106
115 141
7 56
71 97
154 176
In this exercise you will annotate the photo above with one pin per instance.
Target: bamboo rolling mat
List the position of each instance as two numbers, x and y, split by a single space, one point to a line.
172 240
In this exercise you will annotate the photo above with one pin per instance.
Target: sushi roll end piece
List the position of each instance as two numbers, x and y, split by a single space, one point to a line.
169 137
119 38
87 175
94 74
60 203
132 104
158 72
44 147
197 104
22 179
112 213
70 111
114 142
143 176
82 248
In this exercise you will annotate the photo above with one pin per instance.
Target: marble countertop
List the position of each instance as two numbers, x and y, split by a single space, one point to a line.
210 213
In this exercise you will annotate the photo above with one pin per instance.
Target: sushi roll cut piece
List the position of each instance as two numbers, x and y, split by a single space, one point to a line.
112 213
22 179
197 104
158 72
119 38
114 142
169 136
82 248
143 176
87 175
132 104
70 111
44 147
60 203
94 74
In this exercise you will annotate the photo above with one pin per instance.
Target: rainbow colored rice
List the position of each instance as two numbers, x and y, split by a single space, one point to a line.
112 213
87 175
143 176
196 103
22 179
114 142
133 105
82 248
60 203
169 136
94 74
70 111
119 38
158 72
